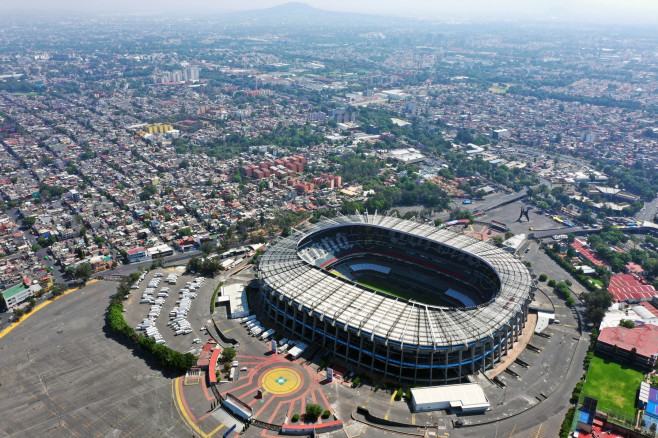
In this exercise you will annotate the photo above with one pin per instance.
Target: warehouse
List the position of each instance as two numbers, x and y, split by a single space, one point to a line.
467 397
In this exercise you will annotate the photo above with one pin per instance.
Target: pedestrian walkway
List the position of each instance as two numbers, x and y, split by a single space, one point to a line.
520 345
224 417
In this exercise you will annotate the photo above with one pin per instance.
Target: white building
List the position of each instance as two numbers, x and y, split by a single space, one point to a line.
19 293
191 73
236 296
466 397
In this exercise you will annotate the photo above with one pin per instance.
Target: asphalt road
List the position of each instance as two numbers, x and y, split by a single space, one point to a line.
649 211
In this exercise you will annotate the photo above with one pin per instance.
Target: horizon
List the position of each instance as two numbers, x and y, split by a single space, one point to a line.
606 12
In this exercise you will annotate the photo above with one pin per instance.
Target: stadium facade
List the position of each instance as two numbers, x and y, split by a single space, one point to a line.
309 284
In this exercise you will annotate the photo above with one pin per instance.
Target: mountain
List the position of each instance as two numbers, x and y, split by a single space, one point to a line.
299 14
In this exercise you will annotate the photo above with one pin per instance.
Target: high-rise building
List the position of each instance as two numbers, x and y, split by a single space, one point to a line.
176 76
191 73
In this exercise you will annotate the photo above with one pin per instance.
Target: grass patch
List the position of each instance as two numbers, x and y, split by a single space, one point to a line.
214 297
499 88
614 385
389 287
595 281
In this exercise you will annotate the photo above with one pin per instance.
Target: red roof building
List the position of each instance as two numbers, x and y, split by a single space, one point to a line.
630 287
583 249
203 361
638 345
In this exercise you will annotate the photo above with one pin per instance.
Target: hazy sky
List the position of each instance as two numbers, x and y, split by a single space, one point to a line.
627 11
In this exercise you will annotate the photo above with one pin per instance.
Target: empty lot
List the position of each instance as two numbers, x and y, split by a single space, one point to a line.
61 376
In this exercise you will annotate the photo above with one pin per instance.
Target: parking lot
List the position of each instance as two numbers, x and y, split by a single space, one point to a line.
61 375
197 315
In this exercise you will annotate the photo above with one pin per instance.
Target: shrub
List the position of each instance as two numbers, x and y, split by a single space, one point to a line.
551 283
313 411
628 323
356 382
566 424
168 358
543 277
326 414
214 297
295 418
398 394
575 395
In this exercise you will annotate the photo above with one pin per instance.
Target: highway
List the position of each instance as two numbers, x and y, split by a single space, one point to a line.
649 211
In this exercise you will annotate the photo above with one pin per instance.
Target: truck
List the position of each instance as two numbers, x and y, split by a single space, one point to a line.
267 334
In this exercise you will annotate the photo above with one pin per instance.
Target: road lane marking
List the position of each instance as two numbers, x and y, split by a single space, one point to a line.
390 405
183 412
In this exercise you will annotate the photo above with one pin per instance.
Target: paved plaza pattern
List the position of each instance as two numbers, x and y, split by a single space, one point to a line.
286 388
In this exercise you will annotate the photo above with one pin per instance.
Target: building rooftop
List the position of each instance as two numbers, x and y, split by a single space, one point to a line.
12 291
629 287
643 338
465 395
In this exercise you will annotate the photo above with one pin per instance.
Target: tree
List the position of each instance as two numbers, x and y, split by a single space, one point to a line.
29 221
18 314
83 271
207 248
149 191
57 289
543 277
228 354
626 323
551 283
313 411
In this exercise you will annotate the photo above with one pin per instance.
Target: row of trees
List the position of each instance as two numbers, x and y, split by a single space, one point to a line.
596 300
169 359
207 266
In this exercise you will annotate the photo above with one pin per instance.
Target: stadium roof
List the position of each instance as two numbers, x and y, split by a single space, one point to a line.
388 318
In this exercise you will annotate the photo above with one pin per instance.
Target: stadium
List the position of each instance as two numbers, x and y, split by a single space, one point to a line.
407 300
